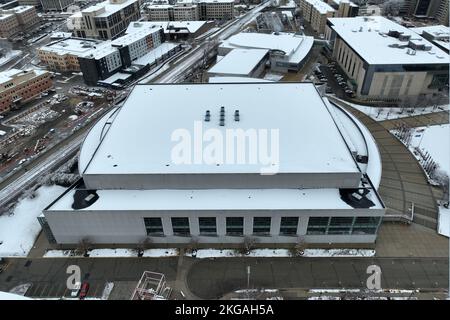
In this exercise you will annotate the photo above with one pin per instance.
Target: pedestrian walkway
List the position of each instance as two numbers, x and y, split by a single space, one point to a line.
404 187
410 240
423 120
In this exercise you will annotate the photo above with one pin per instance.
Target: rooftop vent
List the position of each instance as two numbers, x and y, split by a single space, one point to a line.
207 116
236 115
222 116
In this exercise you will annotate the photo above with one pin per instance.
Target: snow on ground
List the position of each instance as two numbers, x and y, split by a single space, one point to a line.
12 296
113 253
19 231
266 253
444 221
380 114
436 141
273 76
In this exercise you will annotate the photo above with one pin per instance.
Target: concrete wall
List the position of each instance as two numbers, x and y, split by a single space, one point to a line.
127 227
222 181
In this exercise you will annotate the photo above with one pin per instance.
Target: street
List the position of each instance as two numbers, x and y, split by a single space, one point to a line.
213 278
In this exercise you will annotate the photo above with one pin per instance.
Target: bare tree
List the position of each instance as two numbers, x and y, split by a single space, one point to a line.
299 247
84 246
248 244
391 8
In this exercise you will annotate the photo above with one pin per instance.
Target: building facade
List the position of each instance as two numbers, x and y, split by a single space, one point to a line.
191 10
314 197
56 5
106 20
437 9
19 86
406 64
316 12
17 19
62 55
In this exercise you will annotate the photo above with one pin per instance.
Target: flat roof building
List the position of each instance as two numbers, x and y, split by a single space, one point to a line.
438 35
317 179
384 60
241 63
16 19
288 51
174 30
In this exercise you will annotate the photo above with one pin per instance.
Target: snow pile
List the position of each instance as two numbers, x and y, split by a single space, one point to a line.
107 290
19 230
106 253
156 253
273 253
113 253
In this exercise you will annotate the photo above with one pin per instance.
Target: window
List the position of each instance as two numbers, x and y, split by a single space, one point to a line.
153 226
235 226
366 225
317 225
288 226
261 225
180 226
207 226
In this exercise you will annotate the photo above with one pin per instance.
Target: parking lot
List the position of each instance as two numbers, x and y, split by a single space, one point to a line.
337 81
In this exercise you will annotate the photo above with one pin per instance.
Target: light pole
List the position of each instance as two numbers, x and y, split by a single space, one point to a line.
248 282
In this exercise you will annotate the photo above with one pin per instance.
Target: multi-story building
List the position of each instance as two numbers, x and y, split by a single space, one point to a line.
19 86
34 3
189 10
216 9
437 9
56 5
384 60
63 54
174 30
344 8
316 12
148 183
8 25
106 20
108 59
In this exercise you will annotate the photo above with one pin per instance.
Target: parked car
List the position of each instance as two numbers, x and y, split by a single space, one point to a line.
84 290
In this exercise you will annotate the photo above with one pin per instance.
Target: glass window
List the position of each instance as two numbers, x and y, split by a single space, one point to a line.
288 225
235 226
153 226
261 225
341 221
339 230
207 226
367 221
318 221
180 226
316 230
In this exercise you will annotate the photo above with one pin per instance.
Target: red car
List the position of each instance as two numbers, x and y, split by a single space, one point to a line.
84 290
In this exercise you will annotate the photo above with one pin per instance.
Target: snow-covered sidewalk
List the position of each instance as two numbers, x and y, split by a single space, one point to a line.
19 230
113 253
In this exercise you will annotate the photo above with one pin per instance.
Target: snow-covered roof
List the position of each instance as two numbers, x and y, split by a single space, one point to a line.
239 62
338 2
191 26
235 79
21 9
4 16
213 199
321 6
131 37
296 47
368 36
107 8
156 53
73 46
8 75
309 140
440 34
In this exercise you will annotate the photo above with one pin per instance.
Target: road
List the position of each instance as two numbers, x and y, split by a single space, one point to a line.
182 67
213 278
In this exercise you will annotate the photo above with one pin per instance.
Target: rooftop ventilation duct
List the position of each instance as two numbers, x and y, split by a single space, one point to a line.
236 115
207 116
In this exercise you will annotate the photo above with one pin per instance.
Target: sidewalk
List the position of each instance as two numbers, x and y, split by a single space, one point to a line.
403 240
